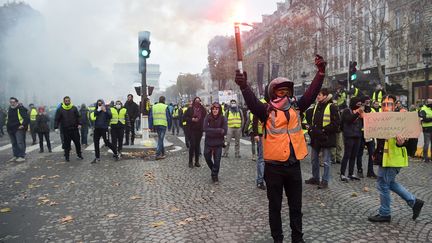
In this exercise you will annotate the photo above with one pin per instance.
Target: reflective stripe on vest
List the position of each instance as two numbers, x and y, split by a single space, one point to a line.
251 117
280 133
341 99
356 91
33 114
184 109
394 156
175 113
159 115
377 97
20 118
118 116
92 116
326 116
428 112
234 119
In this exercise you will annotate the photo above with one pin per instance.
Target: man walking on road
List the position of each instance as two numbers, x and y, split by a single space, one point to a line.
133 113
160 120
17 124
234 116
324 125
391 155
85 124
284 145
32 114
68 119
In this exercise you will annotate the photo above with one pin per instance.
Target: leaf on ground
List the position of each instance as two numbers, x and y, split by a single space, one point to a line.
149 176
212 191
135 197
174 209
112 215
157 224
72 182
322 205
42 198
366 189
56 186
66 219
38 178
53 177
5 210
188 219
181 223
116 184
203 217
156 213
52 203
49 167
17 182
31 186
354 194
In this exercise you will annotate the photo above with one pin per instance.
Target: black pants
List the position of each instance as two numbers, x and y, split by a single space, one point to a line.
214 153
68 136
278 178
371 149
130 129
33 131
175 125
351 147
98 133
187 136
194 147
1 129
117 134
41 135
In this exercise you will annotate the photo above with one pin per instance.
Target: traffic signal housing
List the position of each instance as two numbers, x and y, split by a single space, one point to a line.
143 49
353 71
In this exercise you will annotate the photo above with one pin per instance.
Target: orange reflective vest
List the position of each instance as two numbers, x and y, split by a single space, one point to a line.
280 133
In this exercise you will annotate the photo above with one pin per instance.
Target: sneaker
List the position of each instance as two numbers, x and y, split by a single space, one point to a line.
261 186
116 157
417 208
67 159
353 177
254 157
79 156
379 218
41 151
373 176
94 161
191 165
20 159
338 161
159 157
215 180
126 144
49 151
323 185
360 174
13 159
312 181
343 178
197 164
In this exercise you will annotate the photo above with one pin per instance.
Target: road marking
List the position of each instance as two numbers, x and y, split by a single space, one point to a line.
58 149
176 148
7 146
182 139
32 148
91 146
246 142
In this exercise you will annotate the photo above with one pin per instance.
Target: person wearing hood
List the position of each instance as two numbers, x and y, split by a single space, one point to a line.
16 125
352 132
234 116
194 117
133 113
323 128
160 121
42 128
102 117
215 128
118 123
284 145
68 119
85 123
425 115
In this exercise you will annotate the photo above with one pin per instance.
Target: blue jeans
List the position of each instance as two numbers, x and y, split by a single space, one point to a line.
18 143
216 154
326 155
260 162
386 182
160 130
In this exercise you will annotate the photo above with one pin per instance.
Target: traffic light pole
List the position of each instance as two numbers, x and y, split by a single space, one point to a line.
143 106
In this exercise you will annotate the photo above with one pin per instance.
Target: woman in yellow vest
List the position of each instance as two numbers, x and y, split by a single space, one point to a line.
32 114
118 123
391 155
284 145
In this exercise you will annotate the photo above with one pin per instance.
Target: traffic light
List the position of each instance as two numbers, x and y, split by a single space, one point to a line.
143 49
353 71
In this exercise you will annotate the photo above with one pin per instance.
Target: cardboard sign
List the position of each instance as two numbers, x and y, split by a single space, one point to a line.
390 124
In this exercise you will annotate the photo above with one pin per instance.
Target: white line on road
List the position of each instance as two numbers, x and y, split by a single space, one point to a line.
182 139
246 142
8 146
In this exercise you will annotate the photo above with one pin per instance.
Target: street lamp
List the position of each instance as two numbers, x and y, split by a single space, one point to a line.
427 55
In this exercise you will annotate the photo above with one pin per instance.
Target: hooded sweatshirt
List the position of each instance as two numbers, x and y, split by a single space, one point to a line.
67 117
215 128
352 123
102 118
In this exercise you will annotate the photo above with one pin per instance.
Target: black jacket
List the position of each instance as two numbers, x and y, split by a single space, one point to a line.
324 137
84 112
13 121
194 126
42 123
352 124
132 110
67 119
215 129
102 118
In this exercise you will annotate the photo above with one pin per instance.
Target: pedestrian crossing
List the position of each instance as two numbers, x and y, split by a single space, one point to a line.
7 146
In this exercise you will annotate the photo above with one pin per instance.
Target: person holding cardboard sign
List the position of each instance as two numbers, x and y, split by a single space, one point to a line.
391 155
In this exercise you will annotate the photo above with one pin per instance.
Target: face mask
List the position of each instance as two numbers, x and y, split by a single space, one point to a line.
118 106
14 106
233 105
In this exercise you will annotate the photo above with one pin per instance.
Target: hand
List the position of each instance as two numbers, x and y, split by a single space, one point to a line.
400 140
21 127
79 126
56 130
241 79
222 131
103 108
256 138
320 63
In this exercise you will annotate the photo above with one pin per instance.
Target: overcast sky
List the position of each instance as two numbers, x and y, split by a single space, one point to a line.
105 31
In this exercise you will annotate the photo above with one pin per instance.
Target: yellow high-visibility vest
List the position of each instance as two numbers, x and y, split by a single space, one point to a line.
33 114
234 119
428 115
394 156
159 115
175 113
184 109
326 117
118 116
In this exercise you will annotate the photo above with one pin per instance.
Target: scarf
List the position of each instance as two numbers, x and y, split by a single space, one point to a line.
282 104
67 107
197 111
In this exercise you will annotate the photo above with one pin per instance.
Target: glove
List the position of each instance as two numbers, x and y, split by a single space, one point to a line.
241 79
320 63
56 130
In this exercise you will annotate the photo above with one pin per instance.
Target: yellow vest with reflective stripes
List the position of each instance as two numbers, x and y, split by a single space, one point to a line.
326 117
260 125
377 97
234 119
341 99
356 92
33 114
428 115
184 109
20 118
118 116
394 156
175 113
159 115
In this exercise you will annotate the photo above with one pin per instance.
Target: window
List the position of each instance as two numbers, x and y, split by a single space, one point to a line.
397 18
382 51
397 59
417 17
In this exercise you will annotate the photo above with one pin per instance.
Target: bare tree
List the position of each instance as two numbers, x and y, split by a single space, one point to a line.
221 59
188 84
